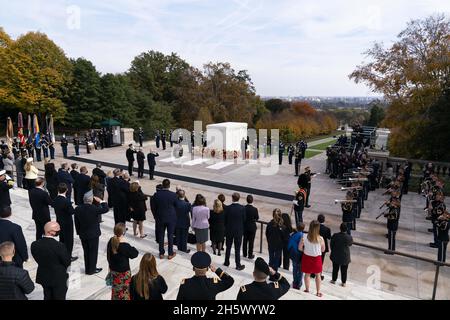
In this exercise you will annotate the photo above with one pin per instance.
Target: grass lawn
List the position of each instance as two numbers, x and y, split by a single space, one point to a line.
323 146
310 154
332 134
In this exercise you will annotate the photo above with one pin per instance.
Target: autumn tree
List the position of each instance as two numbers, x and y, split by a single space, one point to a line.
413 75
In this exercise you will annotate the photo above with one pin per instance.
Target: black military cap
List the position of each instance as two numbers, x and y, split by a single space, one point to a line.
201 260
262 266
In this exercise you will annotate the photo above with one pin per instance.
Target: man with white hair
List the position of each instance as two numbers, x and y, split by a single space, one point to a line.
53 260
87 224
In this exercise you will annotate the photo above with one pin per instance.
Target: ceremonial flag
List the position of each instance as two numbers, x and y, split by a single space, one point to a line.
51 129
9 132
36 131
30 130
20 129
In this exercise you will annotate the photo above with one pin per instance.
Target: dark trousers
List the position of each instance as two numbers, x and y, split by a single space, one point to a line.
349 227
297 271
170 227
308 192
336 268
275 258
20 179
442 250
237 240
280 159
163 144
140 141
140 170
181 235
55 292
391 240
130 167
152 171
298 217
435 233
286 258
290 158
90 250
45 151
77 150
64 150
297 164
249 239
38 154
39 229
66 236
52 152
120 213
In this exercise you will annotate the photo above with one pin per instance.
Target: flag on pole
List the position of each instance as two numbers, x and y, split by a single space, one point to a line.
51 129
37 133
20 129
29 127
9 132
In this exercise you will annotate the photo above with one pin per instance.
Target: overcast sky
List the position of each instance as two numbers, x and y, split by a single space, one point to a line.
289 47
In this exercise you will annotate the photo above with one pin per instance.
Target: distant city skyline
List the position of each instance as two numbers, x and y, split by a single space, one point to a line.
289 47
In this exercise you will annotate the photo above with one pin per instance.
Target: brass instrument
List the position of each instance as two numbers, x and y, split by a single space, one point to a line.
351 188
382 213
352 180
344 201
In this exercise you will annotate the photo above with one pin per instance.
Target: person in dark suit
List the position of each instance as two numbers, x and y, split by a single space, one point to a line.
5 185
251 217
234 230
64 212
12 232
164 202
118 192
53 260
153 210
152 162
140 157
130 158
340 253
74 174
65 177
199 287
137 204
51 179
39 201
325 233
15 282
183 209
260 289
82 184
99 173
87 225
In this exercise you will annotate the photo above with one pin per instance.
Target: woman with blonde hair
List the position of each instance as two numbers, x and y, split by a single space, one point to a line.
312 245
31 174
147 284
119 253
276 237
217 226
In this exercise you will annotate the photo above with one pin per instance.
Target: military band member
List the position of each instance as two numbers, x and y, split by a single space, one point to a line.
436 208
199 287
309 175
76 144
38 147
443 226
290 151
44 144
393 216
298 158
348 216
64 144
260 289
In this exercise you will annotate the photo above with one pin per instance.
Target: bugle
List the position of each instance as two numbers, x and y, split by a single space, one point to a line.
382 213
351 188
344 201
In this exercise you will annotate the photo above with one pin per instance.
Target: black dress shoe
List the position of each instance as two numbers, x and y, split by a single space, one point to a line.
251 257
430 230
98 270
226 264
241 267
72 259
388 252
308 206
433 245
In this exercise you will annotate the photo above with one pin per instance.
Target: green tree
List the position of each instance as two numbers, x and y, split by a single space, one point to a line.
377 115
277 105
83 99
412 74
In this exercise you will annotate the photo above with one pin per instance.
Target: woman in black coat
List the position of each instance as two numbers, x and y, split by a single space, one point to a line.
275 233
287 234
51 179
138 208
340 253
217 226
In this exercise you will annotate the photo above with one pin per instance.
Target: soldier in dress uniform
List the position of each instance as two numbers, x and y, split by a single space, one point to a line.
170 138
393 216
443 226
141 136
298 158
44 144
157 138
163 139
290 151
37 147
281 149
260 289
64 144
308 174
76 144
200 287
51 147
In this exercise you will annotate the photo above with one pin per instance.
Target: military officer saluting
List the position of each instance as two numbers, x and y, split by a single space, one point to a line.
260 289
199 287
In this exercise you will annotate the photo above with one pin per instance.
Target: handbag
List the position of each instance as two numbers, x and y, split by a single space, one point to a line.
109 279
192 239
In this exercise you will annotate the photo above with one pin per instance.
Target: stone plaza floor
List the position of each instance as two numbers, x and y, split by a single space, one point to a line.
397 277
